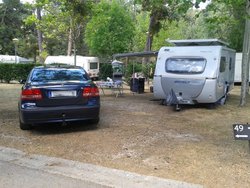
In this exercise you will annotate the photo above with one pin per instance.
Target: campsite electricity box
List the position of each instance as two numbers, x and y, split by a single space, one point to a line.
194 71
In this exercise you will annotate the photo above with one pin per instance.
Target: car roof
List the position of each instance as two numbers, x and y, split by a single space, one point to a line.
58 66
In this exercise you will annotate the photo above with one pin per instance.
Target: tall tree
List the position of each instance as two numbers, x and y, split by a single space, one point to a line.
110 29
61 25
77 10
163 10
12 13
245 58
223 18
39 34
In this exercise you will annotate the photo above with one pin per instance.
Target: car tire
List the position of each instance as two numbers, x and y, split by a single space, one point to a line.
24 126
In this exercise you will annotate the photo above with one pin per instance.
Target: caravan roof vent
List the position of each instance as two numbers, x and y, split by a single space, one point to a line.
198 42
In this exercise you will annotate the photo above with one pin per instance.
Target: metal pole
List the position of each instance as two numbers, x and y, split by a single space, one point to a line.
74 54
15 54
15 40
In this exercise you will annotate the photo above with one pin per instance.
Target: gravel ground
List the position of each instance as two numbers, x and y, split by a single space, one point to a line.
137 134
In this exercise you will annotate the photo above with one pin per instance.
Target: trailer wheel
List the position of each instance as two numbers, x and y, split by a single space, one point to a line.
163 102
177 108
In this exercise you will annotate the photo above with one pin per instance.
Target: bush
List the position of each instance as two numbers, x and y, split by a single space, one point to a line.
10 71
6 72
105 71
131 69
148 70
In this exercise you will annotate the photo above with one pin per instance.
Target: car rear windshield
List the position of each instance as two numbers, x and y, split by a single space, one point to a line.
185 65
59 75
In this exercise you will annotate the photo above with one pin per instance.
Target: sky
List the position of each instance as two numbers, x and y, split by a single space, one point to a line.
203 5
26 1
23 1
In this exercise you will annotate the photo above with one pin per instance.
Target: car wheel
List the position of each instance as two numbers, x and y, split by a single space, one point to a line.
24 126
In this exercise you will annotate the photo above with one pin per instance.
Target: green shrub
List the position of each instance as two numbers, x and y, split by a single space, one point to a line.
11 71
130 69
105 71
148 70
7 72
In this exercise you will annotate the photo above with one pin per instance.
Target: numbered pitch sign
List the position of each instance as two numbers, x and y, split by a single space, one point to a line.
241 131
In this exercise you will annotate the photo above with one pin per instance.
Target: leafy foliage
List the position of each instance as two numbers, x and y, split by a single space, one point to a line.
11 71
225 20
161 10
130 69
105 71
12 13
140 33
62 23
110 29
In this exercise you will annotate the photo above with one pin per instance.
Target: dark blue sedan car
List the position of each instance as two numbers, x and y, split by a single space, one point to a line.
58 94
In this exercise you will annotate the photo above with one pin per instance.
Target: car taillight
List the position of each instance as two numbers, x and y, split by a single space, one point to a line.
90 92
31 94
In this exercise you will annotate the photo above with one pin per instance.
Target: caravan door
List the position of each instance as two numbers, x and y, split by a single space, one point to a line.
223 75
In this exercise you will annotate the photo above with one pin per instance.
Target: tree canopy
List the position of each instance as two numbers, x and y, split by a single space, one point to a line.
106 27
12 14
110 29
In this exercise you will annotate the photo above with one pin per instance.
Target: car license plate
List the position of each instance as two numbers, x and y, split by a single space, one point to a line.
63 93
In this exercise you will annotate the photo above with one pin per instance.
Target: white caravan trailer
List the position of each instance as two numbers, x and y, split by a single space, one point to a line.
90 64
194 71
238 72
14 59
238 63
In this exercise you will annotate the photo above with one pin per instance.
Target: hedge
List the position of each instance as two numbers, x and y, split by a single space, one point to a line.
11 71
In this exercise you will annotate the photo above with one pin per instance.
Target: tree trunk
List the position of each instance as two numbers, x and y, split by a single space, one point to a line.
39 36
149 41
70 42
245 59
3 17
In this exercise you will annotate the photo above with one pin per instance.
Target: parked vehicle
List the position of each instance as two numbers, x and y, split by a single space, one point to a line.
194 71
14 59
58 94
90 64
238 68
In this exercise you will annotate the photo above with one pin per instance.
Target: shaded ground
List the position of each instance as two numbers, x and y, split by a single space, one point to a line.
137 134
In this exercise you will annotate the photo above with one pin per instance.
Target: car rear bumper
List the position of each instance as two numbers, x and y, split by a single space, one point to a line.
58 114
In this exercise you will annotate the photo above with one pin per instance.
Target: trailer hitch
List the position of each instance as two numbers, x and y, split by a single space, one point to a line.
64 123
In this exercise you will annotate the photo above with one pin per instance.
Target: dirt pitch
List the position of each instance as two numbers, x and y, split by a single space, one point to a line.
137 134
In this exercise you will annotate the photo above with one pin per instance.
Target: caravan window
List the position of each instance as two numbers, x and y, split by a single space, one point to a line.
230 63
223 64
93 65
185 65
